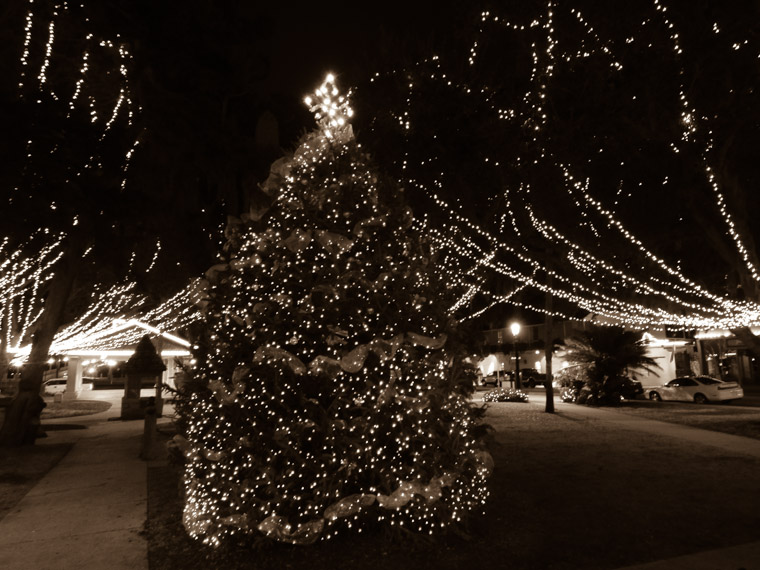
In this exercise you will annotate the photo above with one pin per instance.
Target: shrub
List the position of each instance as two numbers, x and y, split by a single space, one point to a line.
505 395
605 358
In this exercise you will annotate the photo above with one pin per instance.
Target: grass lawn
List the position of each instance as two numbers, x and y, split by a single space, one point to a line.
726 418
565 495
22 467
73 408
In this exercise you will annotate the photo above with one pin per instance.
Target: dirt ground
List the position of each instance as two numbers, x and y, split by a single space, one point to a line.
566 494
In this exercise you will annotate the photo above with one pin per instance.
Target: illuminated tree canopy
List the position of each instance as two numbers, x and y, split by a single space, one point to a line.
69 136
72 132
596 142
21 280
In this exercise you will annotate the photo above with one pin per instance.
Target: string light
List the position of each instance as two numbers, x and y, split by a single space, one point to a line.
25 51
97 98
101 91
21 279
590 276
119 317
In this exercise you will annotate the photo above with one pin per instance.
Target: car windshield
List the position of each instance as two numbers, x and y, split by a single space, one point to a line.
706 380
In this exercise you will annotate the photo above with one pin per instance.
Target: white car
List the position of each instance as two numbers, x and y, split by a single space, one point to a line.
698 389
54 386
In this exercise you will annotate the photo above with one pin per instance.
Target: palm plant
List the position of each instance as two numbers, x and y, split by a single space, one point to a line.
611 356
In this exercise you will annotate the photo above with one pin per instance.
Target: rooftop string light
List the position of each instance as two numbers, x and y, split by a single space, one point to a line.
107 323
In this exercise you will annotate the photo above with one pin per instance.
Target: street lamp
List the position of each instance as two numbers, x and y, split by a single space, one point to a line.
515 328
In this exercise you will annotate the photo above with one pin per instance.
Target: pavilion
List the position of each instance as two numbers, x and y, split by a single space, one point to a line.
111 342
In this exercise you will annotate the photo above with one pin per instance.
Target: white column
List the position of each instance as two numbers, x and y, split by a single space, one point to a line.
74 380
168 375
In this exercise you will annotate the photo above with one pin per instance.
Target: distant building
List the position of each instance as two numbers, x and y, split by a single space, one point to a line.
679 353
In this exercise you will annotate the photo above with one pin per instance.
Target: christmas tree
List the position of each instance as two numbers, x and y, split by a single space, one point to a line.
331 391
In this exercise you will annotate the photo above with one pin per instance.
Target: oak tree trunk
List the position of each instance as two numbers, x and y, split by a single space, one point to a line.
548 344
22 419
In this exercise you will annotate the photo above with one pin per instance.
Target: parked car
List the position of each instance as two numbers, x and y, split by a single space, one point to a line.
698 389
54 386
491 379
531 377
631 389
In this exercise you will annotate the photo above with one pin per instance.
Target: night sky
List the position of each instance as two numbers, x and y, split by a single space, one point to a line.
309 38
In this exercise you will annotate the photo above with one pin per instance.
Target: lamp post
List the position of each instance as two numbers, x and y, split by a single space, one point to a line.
515 328
499 362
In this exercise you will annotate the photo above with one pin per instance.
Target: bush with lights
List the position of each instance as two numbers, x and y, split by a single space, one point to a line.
330 391
505 395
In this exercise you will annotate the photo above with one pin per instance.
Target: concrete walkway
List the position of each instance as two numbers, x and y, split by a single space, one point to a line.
88 511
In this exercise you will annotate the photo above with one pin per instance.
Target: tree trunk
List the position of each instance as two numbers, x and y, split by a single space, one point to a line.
22 419
548 344
4 360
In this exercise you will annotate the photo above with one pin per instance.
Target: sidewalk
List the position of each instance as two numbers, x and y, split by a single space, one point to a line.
88 511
